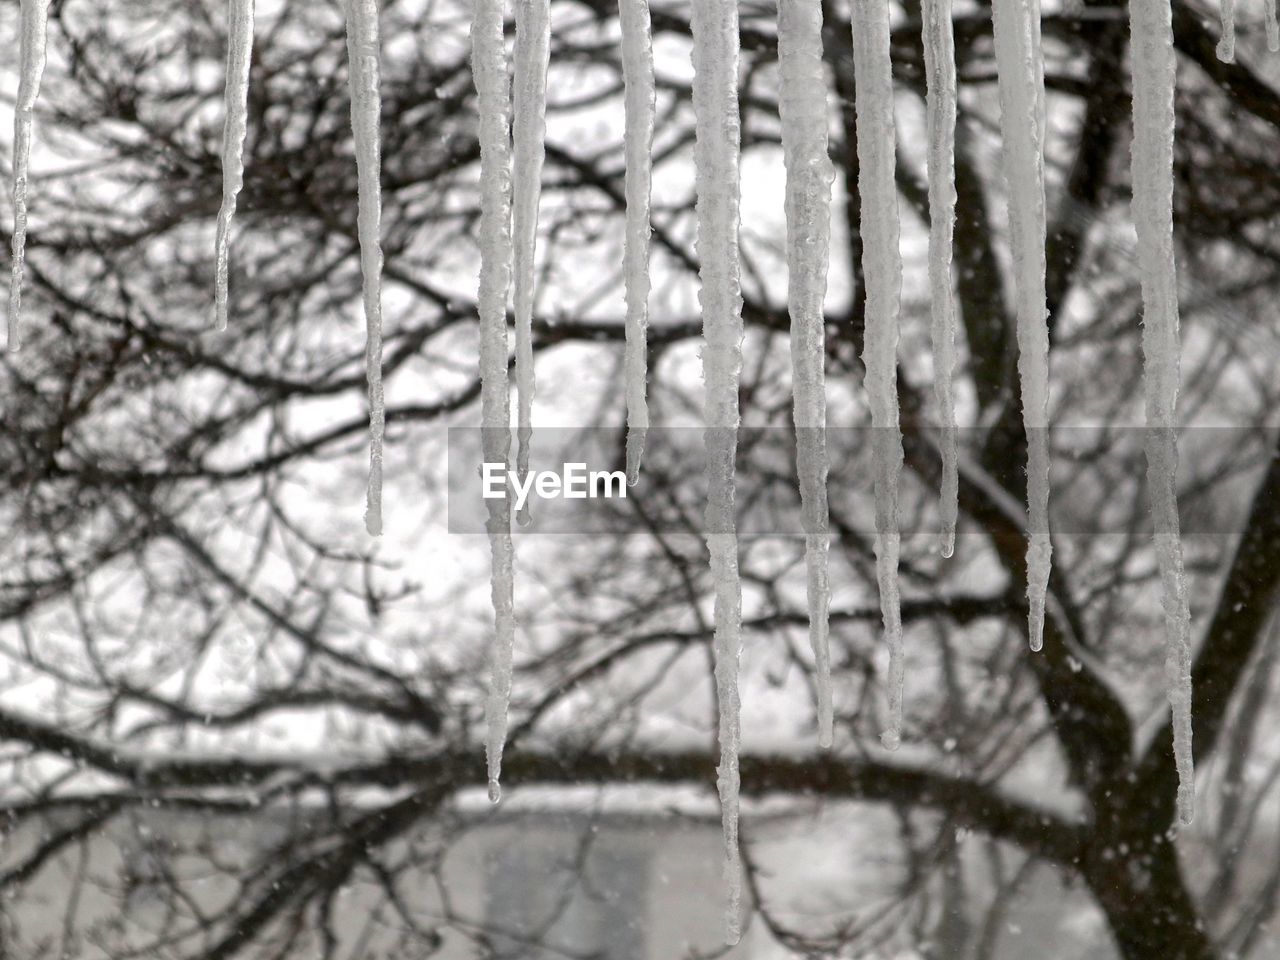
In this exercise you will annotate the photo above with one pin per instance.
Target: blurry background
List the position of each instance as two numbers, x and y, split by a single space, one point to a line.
231 725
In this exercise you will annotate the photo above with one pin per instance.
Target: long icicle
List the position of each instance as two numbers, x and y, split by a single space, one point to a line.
940 109
35 28
1154 72
638 105
882 272
1273 27
718 136
532 49
235 128
803 106
493 96
1021 82
363 51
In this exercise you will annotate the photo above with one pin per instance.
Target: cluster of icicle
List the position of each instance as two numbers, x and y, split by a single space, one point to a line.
510 172
804 114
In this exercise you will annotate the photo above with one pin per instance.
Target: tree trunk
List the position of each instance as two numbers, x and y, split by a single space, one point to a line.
1149 910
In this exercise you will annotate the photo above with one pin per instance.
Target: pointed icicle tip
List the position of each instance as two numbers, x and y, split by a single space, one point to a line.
1227 43
1186 804
635 453
826 727
733 922
892 740
826 711
1039 566
948 545
1035 629
495 791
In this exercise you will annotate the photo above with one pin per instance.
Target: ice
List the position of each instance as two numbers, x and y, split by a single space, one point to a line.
882 272
236 125
364 55
31 55
489 68
1227 42
803 107
940 108
718 135
1022 119
532 48
638 105
1154 68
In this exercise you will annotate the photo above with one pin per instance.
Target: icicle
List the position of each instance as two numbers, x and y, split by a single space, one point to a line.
363 52
235 127
882 274
489 68
637 76
1153 66
1021 81
1037 61
35 20
728 648
718 136
940 106
1273 28
532 48
803 107
1227 42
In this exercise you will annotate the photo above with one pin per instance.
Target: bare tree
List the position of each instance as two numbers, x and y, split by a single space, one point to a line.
184 575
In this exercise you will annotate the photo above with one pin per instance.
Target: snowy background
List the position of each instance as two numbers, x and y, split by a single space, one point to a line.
234 725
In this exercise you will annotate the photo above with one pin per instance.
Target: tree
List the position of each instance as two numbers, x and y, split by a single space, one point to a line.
185 571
